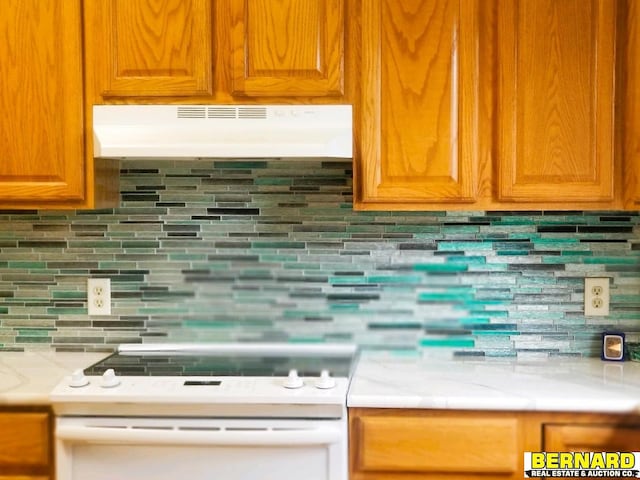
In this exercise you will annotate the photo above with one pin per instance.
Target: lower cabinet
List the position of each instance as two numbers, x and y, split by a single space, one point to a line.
410 444
25 444
608 436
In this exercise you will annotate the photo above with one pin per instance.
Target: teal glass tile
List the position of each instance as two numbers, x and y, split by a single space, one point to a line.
252 250
623 260
411 279
460 246
445 297
440 267
447 342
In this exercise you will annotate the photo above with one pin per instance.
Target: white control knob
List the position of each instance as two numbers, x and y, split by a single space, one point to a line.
325 381
293 380
78 379
109 379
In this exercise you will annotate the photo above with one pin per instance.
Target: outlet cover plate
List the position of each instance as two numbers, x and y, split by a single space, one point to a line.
99 296
596 296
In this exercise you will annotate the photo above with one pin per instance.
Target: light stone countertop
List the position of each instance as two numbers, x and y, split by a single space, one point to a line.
27 378
392 380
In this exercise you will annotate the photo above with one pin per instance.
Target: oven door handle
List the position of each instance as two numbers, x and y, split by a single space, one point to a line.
153 436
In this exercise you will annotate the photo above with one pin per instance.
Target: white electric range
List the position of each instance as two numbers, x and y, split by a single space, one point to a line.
234 411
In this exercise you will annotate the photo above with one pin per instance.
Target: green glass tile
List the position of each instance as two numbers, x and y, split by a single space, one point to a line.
273 181
28 265
445 297
395 279
344 307
347 280
30 339
74 295
36 332
65 310
477 320
626 260
495 332
468 260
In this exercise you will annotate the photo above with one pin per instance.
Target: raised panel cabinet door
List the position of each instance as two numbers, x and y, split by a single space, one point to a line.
41 144
25 446
419 103
591 438
631 127
288 47
556 99
150 48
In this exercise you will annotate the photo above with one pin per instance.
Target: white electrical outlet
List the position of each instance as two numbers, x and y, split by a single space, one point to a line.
99 296
596 296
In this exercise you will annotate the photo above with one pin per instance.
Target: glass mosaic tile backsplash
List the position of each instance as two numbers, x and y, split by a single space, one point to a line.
272 251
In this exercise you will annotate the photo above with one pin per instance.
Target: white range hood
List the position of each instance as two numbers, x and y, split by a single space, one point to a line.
222 131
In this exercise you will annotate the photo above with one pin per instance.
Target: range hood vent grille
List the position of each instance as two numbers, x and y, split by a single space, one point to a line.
222 131
221 112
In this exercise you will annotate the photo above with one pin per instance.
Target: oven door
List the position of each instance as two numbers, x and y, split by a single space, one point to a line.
108 448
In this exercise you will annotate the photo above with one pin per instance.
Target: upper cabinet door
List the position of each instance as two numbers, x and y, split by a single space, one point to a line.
631 128
556 99
41 102
149 47
419 103
288 47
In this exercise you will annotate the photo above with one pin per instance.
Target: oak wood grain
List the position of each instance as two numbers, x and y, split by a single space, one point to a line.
288 47
24 440
631 122
556 100
591 438
419 102
41 103
150 47
412 444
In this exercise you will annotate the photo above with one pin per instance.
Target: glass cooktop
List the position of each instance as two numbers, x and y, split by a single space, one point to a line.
201 364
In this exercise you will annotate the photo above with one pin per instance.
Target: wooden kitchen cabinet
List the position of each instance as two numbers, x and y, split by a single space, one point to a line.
25 444
556 98
419 104
201 51
43 157
631 126
497 104
411 444
607 437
